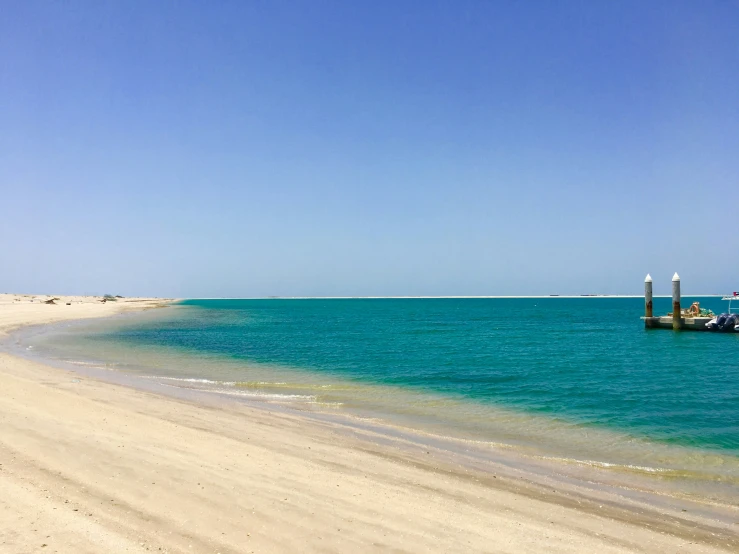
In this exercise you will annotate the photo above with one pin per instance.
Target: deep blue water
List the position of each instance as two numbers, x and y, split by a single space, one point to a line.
587 360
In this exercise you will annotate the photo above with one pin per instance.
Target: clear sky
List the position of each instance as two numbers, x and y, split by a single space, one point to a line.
368 148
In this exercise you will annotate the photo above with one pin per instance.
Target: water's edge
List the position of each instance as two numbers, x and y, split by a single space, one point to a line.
583 478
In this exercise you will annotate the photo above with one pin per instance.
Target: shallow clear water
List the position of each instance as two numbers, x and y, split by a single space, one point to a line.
573 378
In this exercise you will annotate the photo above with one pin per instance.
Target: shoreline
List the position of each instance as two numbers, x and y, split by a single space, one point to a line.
509 513
20 310
533 456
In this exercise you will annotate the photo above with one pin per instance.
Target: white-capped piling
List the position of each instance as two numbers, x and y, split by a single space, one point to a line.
692 319
648 296
676 322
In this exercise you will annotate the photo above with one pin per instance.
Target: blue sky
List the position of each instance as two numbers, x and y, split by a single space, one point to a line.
368 148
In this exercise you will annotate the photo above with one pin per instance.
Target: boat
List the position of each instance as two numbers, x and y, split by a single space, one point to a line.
728 321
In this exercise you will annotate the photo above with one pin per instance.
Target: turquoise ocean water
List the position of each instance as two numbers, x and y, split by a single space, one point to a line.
576 378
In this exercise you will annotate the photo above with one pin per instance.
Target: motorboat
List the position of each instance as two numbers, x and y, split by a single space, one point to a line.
728 321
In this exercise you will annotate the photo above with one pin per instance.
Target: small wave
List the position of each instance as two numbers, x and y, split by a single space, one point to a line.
244 394
92 365
327 404
257 384
189 380
302 386
609 465
262 395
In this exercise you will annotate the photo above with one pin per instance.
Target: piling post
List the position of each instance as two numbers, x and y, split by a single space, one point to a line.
676 322
648 296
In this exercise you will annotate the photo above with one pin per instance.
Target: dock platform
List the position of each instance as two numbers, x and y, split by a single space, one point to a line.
686 323
692 319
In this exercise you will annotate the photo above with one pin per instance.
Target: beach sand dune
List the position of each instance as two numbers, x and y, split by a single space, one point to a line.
17 310
88 466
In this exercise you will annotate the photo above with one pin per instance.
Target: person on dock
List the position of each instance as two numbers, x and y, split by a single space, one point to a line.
694 310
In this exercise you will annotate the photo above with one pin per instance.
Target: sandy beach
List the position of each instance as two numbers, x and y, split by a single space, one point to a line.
90 466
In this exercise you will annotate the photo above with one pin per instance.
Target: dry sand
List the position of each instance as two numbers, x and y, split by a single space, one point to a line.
88 466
